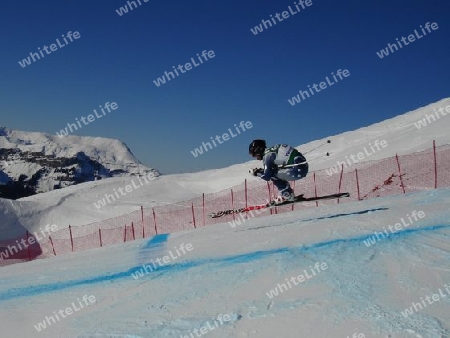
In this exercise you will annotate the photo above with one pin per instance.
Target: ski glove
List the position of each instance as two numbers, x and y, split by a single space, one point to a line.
256 171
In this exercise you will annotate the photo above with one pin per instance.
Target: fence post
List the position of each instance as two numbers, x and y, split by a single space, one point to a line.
28 247
357 184
193 215
275 210
154 220
315 188
246 193
132 230
142 221
232 203
51 242
340 182
293 188
203 209
100 236
270 197
400 173
435 165
268 189
71 238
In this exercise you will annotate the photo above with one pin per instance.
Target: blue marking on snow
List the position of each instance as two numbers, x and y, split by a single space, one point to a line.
33 290
154 248
360 240
157 240
157 243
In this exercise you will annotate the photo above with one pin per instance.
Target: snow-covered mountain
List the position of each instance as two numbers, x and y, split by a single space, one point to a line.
32 162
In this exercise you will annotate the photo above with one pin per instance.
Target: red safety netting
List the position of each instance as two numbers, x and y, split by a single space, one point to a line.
423 170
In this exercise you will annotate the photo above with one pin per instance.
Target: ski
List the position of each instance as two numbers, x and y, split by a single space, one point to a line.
299 198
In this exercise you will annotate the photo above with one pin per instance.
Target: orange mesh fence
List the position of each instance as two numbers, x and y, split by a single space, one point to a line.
443 167
23 248
428 169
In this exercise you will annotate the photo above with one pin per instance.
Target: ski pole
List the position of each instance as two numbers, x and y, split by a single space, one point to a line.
328 141
281 166
295 164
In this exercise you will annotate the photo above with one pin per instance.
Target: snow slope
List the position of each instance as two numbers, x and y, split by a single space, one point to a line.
62 207
229 271
401 134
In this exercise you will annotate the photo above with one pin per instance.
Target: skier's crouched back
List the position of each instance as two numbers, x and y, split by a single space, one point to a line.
282 155
282 163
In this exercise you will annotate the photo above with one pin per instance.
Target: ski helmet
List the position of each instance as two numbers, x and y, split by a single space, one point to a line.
257 147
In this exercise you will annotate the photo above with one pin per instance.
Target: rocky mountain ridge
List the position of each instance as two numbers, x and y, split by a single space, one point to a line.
32 163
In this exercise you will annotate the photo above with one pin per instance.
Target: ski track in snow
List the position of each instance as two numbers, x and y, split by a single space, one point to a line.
319 218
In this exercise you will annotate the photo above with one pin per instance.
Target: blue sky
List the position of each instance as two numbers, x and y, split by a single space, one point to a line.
251 77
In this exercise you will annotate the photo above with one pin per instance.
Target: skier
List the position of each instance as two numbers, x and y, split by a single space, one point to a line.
274 159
